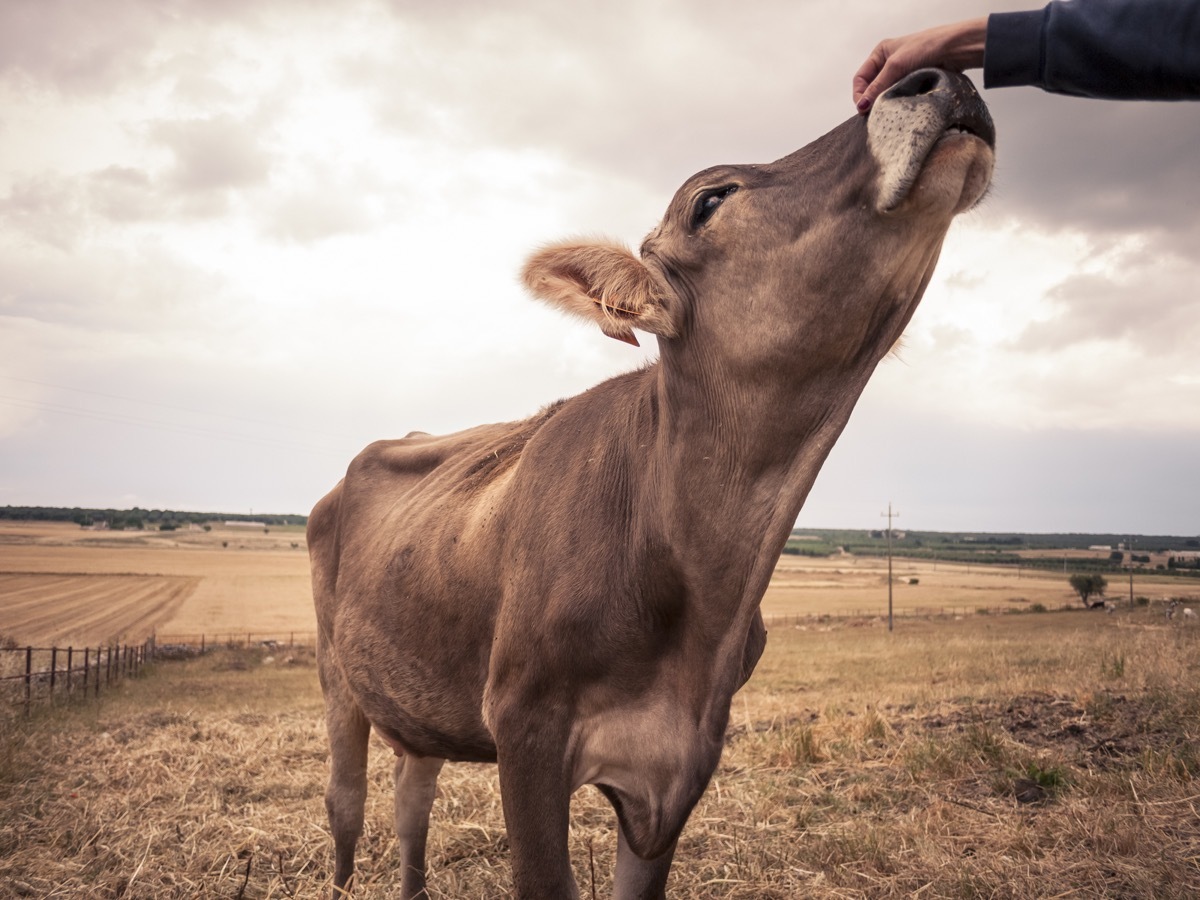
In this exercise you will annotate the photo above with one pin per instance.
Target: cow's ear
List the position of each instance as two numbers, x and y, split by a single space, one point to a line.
604 283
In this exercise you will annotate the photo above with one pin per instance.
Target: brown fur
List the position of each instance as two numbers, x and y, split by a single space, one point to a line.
602 282
576 596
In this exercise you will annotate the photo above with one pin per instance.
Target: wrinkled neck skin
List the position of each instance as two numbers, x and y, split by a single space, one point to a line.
750 409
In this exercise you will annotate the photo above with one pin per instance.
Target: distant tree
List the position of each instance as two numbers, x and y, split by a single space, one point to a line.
1087 585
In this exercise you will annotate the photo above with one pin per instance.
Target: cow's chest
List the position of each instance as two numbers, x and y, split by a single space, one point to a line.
654 757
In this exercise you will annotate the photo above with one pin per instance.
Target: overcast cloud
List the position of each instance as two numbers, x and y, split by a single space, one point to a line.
239 241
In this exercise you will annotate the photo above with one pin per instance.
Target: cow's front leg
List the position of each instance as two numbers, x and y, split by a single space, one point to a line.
637 878
536 795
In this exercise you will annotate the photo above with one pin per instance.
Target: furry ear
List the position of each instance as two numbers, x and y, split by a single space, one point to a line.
603 282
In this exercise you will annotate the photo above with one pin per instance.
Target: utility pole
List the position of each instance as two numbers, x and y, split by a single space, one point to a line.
890 515
1129 543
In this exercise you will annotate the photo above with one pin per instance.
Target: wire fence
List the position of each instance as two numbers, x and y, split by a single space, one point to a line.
30 675
913 612
167 644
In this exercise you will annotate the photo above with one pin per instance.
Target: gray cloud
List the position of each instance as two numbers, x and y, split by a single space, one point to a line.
123 194
645 92
60 44
45 210
312 215
109 287
1151 304
214 154
89 50
1099 166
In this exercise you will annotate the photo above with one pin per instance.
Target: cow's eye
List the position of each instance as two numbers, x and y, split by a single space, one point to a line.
707 203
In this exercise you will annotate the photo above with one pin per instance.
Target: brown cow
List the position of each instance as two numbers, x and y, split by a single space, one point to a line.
576 596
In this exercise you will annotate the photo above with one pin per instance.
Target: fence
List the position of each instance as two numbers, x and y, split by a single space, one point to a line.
917 612
203 642
36 674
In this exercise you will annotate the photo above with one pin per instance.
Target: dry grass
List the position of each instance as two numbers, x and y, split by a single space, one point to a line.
859 764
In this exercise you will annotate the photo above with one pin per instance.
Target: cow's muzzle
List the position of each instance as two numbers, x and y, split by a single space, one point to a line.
913 117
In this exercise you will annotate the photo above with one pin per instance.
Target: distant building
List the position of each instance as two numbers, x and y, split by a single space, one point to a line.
1105 547
245 524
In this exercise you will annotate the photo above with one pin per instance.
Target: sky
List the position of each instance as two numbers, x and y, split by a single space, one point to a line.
239 241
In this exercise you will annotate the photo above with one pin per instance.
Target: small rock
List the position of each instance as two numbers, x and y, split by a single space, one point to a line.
1029 791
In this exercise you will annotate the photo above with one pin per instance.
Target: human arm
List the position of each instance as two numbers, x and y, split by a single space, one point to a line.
1115 49
1112 49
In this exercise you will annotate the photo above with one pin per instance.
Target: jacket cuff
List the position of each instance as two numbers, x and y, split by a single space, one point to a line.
1013 50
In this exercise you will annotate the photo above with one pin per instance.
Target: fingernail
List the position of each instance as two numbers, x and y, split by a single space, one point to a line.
863 105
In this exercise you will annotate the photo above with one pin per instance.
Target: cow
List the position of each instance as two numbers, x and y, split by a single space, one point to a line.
575 596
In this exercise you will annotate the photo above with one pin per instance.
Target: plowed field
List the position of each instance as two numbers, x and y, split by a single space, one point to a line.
39 608
62 585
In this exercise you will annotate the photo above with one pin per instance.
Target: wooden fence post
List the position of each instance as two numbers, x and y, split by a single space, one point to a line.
87 664
70 660
28 676
97 681
53 670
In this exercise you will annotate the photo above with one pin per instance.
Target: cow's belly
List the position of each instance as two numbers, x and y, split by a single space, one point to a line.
414 639
422 696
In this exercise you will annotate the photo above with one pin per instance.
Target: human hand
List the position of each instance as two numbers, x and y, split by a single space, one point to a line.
956 47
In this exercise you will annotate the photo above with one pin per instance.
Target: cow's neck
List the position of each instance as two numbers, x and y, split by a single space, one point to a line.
732 465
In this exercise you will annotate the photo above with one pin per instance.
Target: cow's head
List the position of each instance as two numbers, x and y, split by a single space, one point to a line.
816 260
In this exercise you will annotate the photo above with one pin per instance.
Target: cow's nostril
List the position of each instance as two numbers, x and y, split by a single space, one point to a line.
923 81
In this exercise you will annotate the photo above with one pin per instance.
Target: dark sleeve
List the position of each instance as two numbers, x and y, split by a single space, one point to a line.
1115 49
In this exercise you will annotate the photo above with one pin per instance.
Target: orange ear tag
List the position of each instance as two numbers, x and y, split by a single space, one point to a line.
625 336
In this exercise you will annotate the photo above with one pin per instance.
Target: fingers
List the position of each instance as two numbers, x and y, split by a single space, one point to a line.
892 71
868 74
957 46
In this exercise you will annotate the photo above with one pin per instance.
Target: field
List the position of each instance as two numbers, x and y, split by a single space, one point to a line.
61 583
807 586
1026 755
